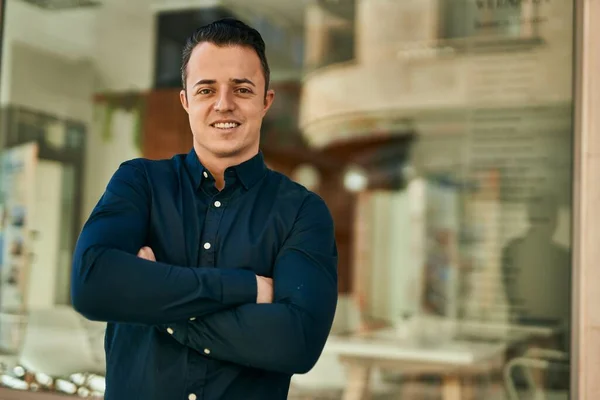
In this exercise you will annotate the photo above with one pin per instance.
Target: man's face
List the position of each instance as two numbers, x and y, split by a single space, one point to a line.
225 100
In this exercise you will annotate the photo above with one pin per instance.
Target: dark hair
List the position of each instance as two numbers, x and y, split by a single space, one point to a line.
226 32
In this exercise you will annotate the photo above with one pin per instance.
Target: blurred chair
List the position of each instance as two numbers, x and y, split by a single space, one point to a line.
532 360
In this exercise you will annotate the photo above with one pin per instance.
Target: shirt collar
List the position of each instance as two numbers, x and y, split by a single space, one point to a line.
249 172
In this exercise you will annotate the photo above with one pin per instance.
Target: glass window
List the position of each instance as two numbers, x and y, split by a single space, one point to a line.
439 133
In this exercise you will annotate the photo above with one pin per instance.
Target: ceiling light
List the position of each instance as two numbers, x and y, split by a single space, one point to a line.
355 179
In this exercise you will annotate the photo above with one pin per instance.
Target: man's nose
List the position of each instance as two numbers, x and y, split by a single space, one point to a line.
224 102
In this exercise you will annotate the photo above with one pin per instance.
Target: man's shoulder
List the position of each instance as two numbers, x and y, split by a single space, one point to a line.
146 163
152 168
287 186
293 190
150 173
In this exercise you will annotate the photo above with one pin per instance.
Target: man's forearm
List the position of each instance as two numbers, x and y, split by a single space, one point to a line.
275 337
113 285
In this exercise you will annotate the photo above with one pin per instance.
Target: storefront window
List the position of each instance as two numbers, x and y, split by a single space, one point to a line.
439 133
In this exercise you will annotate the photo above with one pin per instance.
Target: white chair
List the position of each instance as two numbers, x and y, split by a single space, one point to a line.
535 359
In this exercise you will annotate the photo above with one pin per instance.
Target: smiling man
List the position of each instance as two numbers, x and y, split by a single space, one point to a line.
216 275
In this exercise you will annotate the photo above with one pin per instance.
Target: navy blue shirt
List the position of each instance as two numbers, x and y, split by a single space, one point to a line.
187 326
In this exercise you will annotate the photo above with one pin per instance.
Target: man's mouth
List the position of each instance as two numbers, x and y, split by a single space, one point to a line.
225 125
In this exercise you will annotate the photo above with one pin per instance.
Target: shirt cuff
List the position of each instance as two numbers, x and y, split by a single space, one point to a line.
238 286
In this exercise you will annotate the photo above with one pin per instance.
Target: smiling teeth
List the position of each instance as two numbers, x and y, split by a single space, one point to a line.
226 125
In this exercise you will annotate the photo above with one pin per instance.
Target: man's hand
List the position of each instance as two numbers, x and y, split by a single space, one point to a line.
264 289
146 253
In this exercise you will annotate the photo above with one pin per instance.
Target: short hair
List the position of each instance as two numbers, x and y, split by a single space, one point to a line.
226 32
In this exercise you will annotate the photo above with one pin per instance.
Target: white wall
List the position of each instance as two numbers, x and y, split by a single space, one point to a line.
123 50
68 34
103 158
45 81
123 61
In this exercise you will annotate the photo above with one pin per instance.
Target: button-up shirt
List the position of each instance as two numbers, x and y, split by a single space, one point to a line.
187 326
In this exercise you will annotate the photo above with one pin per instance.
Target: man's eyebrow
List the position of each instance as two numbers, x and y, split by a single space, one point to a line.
205 82
238 81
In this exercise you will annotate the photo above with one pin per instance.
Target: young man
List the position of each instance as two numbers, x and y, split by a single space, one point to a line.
178 255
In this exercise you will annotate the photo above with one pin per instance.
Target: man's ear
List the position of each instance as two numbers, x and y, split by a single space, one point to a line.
269 97
184 100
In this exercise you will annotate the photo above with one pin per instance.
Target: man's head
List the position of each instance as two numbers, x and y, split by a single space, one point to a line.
226 32
542 211
225 79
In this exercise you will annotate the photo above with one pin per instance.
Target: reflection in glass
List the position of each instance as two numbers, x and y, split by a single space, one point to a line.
438 132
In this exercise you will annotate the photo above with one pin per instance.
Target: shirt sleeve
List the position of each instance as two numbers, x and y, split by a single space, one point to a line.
109 281
288 335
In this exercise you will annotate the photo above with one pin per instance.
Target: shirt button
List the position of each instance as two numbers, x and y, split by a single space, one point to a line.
207 245
217 204
170 331
193 319
205 174
206 351
192 396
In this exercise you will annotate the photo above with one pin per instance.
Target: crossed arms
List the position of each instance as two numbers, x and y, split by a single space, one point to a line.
111 283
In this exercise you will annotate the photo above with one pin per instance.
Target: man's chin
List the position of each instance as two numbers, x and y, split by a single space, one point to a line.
227 151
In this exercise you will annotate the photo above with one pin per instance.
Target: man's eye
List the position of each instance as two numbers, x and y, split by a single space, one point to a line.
204 91
244 91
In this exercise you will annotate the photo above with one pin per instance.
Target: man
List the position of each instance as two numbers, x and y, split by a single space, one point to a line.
205 321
